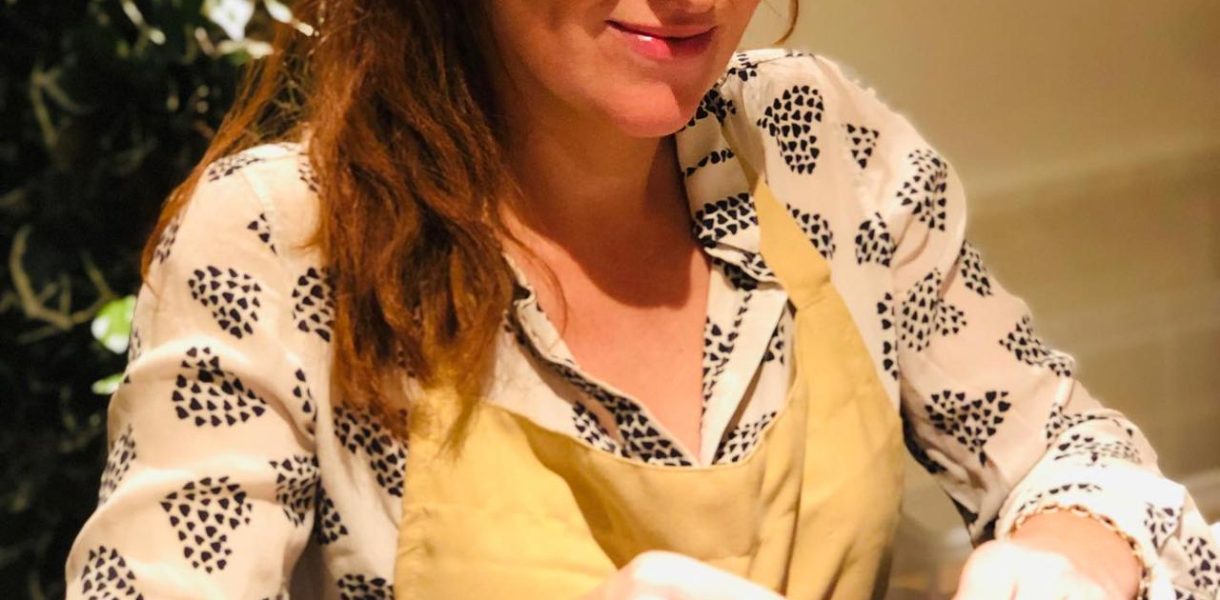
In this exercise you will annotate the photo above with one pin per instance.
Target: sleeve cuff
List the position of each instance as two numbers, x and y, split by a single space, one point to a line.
1138 505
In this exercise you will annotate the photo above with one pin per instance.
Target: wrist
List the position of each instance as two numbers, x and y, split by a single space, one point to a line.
1094 545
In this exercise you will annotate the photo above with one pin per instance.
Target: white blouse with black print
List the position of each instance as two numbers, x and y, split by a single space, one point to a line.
230 462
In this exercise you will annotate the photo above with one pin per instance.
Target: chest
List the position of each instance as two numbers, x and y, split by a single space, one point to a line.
644 337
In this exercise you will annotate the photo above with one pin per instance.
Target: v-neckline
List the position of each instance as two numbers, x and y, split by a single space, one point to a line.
543 340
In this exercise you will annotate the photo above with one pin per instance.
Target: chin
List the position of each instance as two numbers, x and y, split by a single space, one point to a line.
653 122
653 112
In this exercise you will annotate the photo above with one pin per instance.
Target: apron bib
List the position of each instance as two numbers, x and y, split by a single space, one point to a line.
521 512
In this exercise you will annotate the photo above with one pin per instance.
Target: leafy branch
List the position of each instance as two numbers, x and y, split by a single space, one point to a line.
57 316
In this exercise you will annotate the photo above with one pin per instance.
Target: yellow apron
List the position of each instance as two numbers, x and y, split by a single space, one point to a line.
521 512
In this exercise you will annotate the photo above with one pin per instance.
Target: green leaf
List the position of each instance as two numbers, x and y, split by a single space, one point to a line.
112 324
244 50
278 11
107 385
231 15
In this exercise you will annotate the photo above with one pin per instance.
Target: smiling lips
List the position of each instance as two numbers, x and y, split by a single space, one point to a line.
665 43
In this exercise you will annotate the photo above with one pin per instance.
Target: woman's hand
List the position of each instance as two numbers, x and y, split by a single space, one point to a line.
659 575
1052 556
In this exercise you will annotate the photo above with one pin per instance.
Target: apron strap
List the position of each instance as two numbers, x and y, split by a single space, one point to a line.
798 265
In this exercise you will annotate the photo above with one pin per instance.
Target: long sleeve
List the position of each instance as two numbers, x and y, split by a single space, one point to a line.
211 477
993 413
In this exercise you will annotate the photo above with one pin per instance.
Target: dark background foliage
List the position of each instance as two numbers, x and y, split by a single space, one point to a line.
105 105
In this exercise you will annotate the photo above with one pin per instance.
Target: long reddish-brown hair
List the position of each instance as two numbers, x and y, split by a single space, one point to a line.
396 101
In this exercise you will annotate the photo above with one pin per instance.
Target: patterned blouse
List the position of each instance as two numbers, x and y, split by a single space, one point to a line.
233 473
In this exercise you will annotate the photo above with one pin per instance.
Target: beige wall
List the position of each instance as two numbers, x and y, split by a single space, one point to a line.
1030 89
1087 134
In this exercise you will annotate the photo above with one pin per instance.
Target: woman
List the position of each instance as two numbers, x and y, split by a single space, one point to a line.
471 235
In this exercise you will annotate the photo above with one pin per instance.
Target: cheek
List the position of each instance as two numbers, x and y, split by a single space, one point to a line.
563 53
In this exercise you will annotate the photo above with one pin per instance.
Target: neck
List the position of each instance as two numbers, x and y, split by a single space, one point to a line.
585 183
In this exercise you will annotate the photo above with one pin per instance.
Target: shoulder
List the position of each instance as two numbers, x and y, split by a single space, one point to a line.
278 176
776 85
815 116
239 247
268 190
824 137
752 72
249 215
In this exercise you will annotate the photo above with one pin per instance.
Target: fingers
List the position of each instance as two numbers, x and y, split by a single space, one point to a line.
1039 574
684 577
1035 588
1006 571
1065 585
668 576
985 576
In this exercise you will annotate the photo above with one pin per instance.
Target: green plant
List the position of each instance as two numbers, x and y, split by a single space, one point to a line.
112 328
105 105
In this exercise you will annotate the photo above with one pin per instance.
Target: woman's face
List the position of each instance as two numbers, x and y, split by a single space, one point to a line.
641 65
